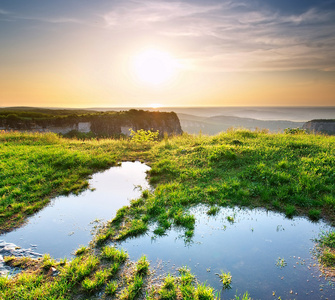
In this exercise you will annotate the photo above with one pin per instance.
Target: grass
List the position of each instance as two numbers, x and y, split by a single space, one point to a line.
35 167
112 254
81 250
135 283
281 262
292 174
326 249
168 290
142 266
213 211
111 288
225 278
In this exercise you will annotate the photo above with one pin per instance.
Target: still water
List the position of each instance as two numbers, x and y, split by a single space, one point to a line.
67 222
248 247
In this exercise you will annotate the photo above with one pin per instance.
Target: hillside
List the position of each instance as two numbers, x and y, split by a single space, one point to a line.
215 124
93 123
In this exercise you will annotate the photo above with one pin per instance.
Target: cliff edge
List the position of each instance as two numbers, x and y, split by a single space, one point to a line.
98 123
320 126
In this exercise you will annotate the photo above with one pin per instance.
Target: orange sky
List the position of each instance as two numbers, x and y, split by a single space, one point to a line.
222 53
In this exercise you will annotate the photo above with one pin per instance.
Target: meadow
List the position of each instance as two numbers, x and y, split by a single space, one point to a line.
292 173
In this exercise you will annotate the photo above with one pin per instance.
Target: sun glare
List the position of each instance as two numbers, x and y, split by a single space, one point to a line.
154 66
156 105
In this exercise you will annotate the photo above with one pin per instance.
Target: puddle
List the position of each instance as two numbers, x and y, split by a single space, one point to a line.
249 248
67 222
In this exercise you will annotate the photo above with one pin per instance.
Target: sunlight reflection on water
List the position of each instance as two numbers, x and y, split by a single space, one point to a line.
248 248
66 222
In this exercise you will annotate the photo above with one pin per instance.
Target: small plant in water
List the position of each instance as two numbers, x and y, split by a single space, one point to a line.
213 211
142 266
231 219
281 263
80 250
225 278
204 292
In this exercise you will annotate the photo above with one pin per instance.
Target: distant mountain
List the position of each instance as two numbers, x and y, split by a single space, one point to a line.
298 114
213 125
212 120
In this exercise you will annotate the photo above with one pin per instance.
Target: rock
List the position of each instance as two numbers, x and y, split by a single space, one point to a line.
320 126
10 249
106 124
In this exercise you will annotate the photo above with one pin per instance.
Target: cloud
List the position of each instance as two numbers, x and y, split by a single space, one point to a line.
234 35
59 19
53 20
4 12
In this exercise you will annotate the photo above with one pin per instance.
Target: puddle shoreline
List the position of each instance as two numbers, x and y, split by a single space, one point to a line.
248 243
69 221
249 248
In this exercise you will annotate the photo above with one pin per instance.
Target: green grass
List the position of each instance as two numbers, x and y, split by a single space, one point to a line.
204 292
142 266
292 174
112 254
225 279
81 250
326 245
168 290
213 211
111 288
35 167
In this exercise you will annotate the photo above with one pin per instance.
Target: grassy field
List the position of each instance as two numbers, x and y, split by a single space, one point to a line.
290 173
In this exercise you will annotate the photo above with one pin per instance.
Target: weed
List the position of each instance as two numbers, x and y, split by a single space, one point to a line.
102 237
290 211
81 250
160 231
314 214
328 257
281 263
213 211
91 285
142 266
136 228
204 292
327 249
189 233
111 288
47 262
225 278
168 290
231 219
133 289
186 221
112 254
245 296
142 135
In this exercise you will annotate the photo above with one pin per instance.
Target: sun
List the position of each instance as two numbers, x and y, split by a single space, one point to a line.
154 67
155 105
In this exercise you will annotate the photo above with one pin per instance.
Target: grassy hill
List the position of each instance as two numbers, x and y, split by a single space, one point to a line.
293 174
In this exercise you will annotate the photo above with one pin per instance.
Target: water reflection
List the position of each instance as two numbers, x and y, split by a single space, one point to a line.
248 246
67 222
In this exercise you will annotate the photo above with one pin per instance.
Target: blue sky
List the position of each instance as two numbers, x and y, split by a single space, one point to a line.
76 51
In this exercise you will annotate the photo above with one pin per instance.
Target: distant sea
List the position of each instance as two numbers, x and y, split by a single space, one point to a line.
297 114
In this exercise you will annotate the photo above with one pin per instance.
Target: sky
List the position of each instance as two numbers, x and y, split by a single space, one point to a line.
120 53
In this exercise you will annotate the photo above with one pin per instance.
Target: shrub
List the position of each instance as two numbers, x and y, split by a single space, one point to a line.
142 135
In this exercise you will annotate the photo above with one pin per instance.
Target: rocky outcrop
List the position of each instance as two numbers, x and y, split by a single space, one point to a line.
10 249
101 124
320 126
